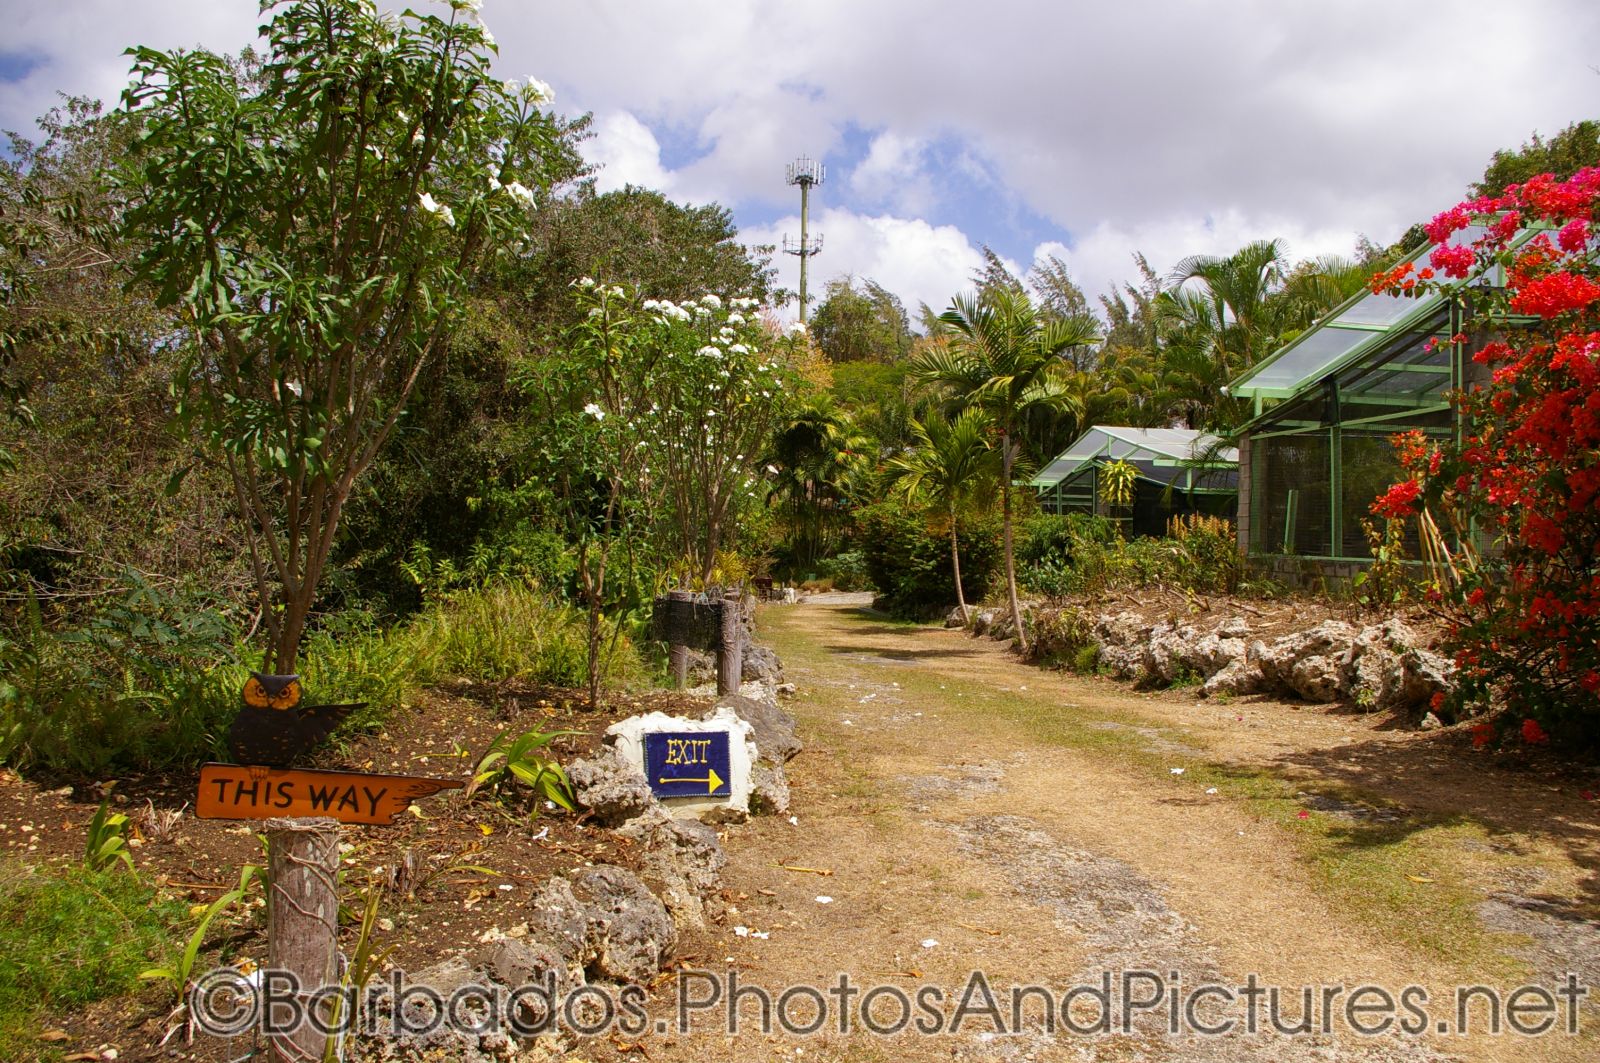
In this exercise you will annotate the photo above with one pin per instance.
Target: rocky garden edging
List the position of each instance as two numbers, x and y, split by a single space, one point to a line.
1386 666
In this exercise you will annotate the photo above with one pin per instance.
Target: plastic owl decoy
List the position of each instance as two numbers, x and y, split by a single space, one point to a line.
273 728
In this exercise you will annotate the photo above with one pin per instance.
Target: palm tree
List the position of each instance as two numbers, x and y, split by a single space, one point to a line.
817 459
952 468
999 357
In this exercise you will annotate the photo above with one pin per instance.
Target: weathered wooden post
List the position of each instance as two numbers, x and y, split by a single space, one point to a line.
678 651
730 646
303 922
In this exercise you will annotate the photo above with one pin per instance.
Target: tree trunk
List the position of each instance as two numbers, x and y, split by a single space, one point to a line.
955 563
1005 517
730 647
302 921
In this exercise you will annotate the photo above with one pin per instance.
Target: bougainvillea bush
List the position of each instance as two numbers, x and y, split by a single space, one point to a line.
1520 486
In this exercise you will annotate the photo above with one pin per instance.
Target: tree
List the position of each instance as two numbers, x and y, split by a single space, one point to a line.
1058 296
865 324
819 456
316 222
999 357
951 468
1572 149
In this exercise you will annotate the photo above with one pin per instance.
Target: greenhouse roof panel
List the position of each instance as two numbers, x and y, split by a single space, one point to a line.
1360 322
1160 446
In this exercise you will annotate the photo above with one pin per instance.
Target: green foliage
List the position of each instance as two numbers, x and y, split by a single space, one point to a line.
1576 146
106 841
518 759
69 937
316 220
506 632
1049 537
1064 634
857 325
1078 555
847 571
909 563
180 970
148 681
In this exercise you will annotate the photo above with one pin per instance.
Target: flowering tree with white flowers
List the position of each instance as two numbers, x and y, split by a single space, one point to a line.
660 412
714 413
316 221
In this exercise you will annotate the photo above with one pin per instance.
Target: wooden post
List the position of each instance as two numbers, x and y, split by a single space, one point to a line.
677 652
730 647
302 920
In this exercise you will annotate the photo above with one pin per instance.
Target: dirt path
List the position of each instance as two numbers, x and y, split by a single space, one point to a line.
977 814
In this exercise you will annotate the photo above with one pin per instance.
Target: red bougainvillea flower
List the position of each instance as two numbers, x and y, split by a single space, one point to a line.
1437 701
1455 261
1399 501
1532 733
1554 295
1482 735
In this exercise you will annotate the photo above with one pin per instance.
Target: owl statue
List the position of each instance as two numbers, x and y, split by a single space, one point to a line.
273 728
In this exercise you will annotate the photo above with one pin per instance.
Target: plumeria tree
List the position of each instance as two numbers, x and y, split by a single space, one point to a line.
659 413
315 218
1519 488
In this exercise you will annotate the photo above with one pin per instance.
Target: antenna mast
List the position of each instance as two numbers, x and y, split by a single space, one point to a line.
805 173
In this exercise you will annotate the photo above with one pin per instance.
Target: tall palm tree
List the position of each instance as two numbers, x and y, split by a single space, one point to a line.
998 356
951 468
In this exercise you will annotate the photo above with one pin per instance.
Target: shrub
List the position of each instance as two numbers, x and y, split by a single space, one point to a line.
909 563
848 571
507 632
1051 538
1208 553
1063 634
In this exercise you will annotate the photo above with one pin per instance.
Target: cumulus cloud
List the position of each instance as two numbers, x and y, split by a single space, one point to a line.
1101 260
1159 125
917 261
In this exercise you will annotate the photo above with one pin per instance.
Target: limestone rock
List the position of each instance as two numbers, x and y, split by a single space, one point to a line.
682 860
955 618
1240 676
769 788
1309 664
609 786
607 921
760 663
772 728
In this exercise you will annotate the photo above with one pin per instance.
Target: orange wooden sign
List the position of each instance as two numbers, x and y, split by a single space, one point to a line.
233 791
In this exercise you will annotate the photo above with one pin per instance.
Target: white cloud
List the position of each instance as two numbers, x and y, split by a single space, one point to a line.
916 261
893 174
1102 259
627 153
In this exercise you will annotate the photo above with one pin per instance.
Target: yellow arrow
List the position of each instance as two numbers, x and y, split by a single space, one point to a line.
712 780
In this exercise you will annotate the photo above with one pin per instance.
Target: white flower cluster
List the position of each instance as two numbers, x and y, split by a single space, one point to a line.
666 310
433 206
797 328
594 410
534 90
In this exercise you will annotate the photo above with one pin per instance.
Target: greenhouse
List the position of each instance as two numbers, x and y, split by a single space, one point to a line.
1317 450
1180 471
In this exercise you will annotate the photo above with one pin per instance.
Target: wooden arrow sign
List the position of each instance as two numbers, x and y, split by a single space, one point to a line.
233 791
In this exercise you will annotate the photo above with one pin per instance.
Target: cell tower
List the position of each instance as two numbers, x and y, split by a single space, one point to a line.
805 173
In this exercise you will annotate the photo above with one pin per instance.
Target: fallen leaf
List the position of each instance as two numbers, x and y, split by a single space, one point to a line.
826 871
54 1035
487 830
1420 878
981 930
1303 814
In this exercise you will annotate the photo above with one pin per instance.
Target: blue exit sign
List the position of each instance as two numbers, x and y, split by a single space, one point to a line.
687 763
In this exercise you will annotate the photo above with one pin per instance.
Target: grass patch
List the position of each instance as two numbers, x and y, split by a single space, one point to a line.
70 937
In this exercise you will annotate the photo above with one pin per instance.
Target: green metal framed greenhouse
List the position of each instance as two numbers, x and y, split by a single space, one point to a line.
1180 471
1317 449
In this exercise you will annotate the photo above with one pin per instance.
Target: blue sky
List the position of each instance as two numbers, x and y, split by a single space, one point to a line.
1090 131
